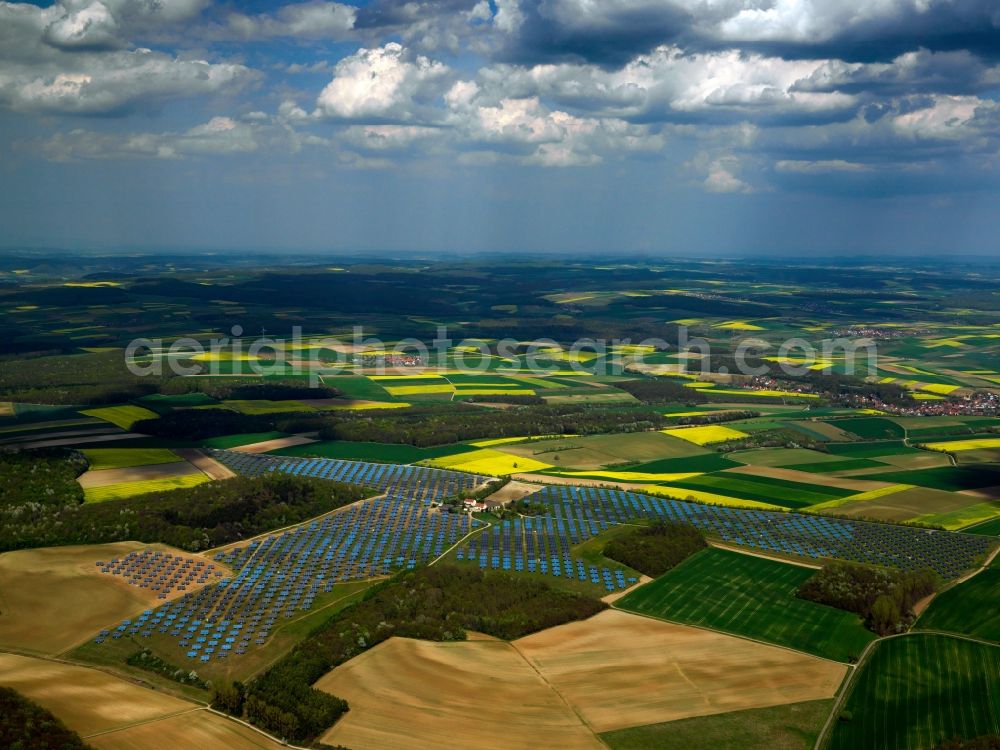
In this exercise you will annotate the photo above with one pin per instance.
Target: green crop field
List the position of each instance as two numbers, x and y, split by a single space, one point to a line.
142 487
950 478
234 441
753 597
871 449
847 464
990 528
970 608
870 428
764 489
358 386
918 689
794 726
121 416
122 458
706 462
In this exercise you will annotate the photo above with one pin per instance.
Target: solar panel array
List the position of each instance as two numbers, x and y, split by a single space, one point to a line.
540 545
161 572
579 513
420 483
280 576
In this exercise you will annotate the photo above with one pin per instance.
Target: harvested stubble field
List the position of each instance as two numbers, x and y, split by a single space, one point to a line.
534 691
477 695
87 700
753 597
115 714
603 667
53 598
199 729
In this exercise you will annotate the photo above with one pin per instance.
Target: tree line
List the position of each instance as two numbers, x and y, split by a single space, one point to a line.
41 505
24 725
655 549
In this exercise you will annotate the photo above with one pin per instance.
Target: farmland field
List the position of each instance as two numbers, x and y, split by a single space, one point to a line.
121 416
763 489
949 478
791 727
918 689
417 695
194 729
870 428
141 487
87 700
602 666
599 451
753 597
705 435
970 608
53 598
121 458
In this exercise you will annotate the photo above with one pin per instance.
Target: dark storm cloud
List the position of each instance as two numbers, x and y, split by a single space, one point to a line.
614 31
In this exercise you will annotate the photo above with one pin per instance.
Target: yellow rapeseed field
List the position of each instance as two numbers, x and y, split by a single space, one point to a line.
703 435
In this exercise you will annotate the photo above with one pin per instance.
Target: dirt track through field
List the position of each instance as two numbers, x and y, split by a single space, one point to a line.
197 729
209 466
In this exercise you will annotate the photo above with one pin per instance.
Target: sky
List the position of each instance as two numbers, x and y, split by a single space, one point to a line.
785 127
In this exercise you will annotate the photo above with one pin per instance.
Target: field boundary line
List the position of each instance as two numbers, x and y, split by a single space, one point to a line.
823 738
125 676
614 606
555 691
258 730
143 722
952 584
763 555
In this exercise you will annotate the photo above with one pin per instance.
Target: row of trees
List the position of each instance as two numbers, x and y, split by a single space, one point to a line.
884 597
437 603
439 427
41 506
655 549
